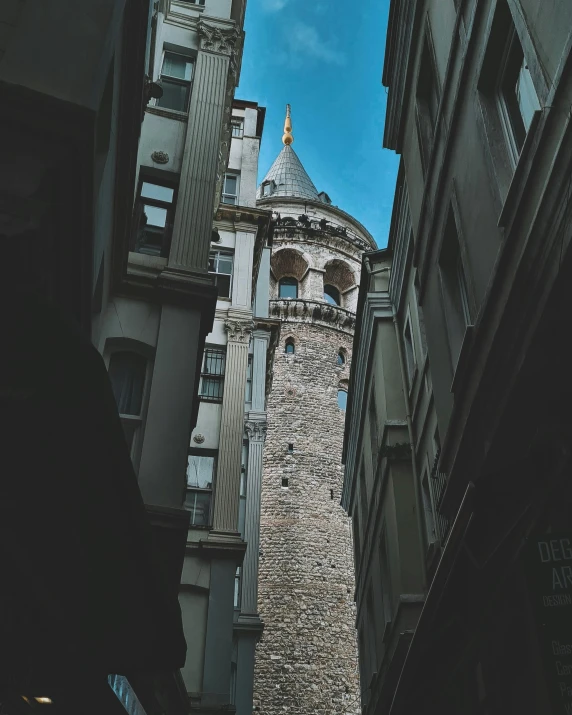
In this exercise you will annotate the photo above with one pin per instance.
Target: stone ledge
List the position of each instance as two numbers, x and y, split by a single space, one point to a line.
314 311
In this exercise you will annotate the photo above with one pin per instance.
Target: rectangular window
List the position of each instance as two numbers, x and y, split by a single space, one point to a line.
373 428
176 77
237 585
517 100
428 515
155 215
230 189
127 374
237 127
242 490
427 103
454 288
410 361
200 477
212 375
386 588
220 267
248 394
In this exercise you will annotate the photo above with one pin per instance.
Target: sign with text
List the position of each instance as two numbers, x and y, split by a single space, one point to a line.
549 569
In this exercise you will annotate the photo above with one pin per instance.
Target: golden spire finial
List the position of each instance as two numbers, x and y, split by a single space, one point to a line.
287 139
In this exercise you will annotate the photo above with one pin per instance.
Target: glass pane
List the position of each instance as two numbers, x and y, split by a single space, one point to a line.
223 285
342 399
225 265
214 362
127 375
526 95
341 359
155 216
211 388
331 295
230 184
200 471
229 200
289 349
177 66
150 241
154 191
199 504
175 96
288 288
212 262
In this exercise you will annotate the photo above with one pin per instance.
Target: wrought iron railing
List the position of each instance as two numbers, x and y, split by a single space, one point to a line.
439 482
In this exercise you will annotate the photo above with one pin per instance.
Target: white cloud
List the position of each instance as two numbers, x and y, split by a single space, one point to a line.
273 5
304 39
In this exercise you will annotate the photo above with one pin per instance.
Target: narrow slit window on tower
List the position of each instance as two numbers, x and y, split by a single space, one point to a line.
342 399
290 448
285 482
341 358
289 348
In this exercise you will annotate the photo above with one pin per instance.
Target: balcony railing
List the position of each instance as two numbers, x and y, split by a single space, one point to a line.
439 482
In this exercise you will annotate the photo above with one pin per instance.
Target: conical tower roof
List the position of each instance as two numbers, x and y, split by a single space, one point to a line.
290 177
287 171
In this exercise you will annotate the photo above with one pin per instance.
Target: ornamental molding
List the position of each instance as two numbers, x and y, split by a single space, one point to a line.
160 157
199 438
256 431
313 311
219 40
238 331
304 229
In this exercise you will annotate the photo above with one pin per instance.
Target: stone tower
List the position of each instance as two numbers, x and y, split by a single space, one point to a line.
306 660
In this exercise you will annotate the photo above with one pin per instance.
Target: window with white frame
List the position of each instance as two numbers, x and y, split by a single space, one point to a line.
237 586
230 188
200 479
212 375
237 127
516 96
268 187
176 78
128 376
454 287
220 267
409 348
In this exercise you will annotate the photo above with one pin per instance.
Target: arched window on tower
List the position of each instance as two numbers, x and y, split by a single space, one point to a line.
341 358
342 399
289 348
332 295
288 288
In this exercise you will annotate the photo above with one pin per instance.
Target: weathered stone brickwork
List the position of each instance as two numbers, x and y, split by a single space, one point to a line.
306 660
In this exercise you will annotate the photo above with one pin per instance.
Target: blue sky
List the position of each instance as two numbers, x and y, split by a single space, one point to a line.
325 58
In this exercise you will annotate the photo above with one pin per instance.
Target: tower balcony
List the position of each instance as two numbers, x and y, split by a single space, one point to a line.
316 312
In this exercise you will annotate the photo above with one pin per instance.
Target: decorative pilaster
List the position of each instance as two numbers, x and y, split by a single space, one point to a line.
231 427
256 431
213 87
260 343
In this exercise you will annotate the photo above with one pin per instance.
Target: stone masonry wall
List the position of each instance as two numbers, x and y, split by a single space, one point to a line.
306 660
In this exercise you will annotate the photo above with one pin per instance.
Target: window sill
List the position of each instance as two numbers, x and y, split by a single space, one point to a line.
167 113
212 400
144 259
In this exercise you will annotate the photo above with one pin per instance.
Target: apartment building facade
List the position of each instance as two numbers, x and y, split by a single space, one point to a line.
113 169
478 259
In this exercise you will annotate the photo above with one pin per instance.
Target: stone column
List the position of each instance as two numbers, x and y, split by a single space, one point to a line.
231 427
256 431
213 86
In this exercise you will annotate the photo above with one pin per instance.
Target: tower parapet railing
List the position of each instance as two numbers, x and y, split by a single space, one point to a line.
315 312
305 227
